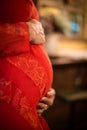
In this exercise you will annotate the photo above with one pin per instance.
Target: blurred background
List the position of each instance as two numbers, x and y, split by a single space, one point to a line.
65 26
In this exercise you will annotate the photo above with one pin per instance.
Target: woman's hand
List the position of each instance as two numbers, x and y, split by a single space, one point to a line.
46 101
36 31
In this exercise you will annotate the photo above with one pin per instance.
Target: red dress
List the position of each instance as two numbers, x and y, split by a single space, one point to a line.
25 69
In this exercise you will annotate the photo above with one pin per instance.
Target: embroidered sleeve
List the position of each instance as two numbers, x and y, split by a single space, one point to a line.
14 38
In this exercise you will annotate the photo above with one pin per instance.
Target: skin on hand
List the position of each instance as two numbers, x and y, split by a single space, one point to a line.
46 101
36 32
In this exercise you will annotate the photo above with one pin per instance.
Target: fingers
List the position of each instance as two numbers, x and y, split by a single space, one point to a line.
41 108
36 31
46 101
49 99
51 92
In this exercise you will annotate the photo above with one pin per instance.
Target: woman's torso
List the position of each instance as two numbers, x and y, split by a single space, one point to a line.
16 11
29 69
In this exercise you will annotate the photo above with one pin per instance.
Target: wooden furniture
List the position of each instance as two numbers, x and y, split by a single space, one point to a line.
70 107
70 76
73 98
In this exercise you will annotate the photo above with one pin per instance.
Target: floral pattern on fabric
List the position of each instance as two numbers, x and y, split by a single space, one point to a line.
32 69
5 90
20 102
14 29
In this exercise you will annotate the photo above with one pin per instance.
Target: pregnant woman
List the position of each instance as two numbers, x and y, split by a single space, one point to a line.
25 69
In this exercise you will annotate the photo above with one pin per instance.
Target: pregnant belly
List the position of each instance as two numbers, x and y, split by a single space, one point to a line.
35 64
40 54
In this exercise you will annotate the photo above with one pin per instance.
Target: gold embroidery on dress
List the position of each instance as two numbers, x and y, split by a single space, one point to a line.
16 98
26 111
14 29
5 90
31 68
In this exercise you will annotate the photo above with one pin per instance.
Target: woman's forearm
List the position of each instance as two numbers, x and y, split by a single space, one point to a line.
14 36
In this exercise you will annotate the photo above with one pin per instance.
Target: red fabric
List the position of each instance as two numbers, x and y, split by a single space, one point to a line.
25 71
18 100
17 10
14 38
